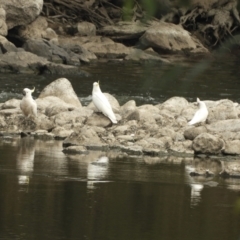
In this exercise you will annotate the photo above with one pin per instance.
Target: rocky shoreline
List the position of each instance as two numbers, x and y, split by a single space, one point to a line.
154 130
33 43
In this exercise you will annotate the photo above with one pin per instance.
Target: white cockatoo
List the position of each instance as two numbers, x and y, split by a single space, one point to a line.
201 114
28 105
102 103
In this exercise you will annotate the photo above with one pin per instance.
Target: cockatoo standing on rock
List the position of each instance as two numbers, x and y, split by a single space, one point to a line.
201 114
102 103
28 105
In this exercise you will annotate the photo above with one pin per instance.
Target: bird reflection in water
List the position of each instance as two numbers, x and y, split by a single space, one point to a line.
196 189
25 160
97 171
201 173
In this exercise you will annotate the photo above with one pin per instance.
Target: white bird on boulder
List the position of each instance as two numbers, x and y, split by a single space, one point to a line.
28 105
102 103
201 114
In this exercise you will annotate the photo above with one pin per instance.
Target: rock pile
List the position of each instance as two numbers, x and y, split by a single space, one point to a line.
153 130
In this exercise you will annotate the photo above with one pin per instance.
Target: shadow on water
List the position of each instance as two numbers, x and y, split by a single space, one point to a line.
46 194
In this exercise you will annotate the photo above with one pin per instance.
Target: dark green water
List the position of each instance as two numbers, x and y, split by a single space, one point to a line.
46 195
144 82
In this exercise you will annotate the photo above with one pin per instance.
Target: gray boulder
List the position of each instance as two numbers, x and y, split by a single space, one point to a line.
102 47
72 117
121 130
150 108
62 88
174 105
181 148
12 103
222 110
86 29
61 133
47 102
57 107
26 62
99 120
124 30
21 62
207 143
164 132
166 118
134 115
69 117
79 52
229 125
43 122
70 44
21 12
128 107
129 111
229 135
38 47
10 112
170 38
52 52
85 136
193 132
7 46
232 147
37 29
17 123
146 116
160 144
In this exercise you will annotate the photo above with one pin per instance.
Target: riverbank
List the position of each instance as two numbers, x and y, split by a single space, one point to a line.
39 41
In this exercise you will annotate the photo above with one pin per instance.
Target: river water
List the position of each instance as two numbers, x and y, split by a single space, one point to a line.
45 194
144 82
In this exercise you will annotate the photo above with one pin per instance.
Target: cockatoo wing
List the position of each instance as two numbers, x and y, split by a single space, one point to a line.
200 116
196 118
34 108
103 105
23 107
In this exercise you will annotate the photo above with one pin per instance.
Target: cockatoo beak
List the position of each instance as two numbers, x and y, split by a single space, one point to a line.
33 90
